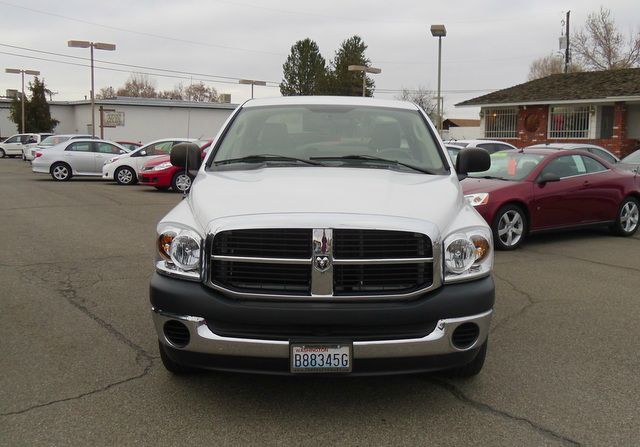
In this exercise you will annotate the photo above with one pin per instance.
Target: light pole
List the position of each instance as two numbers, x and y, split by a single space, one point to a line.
97 46
364 69
439 31
252 82
22 72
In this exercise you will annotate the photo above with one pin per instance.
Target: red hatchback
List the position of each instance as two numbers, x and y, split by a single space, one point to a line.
530 190
160 173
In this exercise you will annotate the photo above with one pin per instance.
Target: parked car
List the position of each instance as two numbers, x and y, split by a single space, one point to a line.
82 157
161 174
52 140
531 190
324 235
490 146
126 168
591 148
631 162
131 145
14 145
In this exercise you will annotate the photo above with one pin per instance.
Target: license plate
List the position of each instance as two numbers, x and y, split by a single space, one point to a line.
320 358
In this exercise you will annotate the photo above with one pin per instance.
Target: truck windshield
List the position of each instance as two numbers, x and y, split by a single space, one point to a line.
331 135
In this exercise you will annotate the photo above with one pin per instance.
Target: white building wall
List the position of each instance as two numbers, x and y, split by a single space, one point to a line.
144 122
465 133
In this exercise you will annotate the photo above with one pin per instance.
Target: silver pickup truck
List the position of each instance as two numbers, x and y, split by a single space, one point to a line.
324 235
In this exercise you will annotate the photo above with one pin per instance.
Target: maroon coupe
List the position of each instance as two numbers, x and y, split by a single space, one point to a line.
530 190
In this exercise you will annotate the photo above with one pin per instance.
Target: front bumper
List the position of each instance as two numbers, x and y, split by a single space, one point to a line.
192 304
155 178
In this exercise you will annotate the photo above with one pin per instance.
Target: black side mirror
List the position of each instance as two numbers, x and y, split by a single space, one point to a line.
472 159
186 155
547 177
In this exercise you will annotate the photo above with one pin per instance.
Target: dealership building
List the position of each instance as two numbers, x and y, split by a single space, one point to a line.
132 119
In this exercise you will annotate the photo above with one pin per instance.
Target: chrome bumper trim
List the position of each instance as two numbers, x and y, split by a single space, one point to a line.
438 342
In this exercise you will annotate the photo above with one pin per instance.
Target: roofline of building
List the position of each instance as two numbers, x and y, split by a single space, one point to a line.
549 101
142 102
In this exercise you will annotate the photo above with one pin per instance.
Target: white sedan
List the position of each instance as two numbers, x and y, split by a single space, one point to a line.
82 157
126 168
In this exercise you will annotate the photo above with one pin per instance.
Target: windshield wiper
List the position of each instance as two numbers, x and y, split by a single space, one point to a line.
375 159
489 177
261 158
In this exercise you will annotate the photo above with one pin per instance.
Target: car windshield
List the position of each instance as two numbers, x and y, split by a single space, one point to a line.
53 140
331 135
634 157
510 165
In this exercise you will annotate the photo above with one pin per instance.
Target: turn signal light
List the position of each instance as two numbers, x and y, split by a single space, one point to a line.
481 247
164 244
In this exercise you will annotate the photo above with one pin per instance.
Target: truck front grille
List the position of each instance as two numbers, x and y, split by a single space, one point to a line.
321 263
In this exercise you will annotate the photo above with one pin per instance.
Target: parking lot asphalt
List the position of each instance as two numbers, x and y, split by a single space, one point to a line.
80 364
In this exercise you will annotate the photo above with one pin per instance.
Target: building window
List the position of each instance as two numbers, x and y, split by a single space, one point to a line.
569 122
501 123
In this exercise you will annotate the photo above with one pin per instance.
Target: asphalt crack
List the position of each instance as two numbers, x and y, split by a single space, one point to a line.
143 358
488 409
590 261
530 303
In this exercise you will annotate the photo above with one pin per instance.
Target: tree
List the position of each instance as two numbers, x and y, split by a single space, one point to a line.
349 83
177 93
106 93
551 64
599 46
423 98
138 85
37 115
304 71
201 93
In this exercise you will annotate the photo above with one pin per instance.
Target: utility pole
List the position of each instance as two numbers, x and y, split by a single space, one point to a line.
566 50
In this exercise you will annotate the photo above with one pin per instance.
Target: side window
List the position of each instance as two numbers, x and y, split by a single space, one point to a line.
106 148
564 166
24 139
487 146
14 139
604 155
160 148
83 146
592 165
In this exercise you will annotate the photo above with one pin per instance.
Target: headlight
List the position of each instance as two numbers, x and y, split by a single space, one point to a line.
179 253
477 199
161 166
468 254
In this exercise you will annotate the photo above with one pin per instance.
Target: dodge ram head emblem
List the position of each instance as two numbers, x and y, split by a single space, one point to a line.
322 249
322 263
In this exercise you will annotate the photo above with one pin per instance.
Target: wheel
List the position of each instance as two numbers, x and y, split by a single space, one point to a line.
473 368
2 154
628 217
125 175
161 188
181 182
61 172
509 227
170 365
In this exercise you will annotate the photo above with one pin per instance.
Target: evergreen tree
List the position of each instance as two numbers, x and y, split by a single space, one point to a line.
36 110
304 71
349 83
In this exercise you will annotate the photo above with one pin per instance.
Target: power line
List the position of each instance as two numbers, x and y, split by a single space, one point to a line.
157 36
120 70
125 65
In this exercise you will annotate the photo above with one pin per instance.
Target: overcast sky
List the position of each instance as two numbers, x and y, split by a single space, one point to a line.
489 44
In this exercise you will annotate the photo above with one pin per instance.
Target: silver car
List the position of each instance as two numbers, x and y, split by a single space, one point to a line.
82 157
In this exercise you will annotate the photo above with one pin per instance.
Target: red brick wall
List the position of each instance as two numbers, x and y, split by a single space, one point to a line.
529 133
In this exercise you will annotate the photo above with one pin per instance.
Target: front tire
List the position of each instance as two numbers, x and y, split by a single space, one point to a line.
125 176
170 365
181 182
509 227
628 218
2 153
473 368
61 172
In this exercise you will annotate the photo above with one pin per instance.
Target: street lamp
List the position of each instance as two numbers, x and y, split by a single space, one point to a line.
364 69
439 31
97 46
252 82
22 72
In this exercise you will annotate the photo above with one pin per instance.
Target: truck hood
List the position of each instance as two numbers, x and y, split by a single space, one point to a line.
324 191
